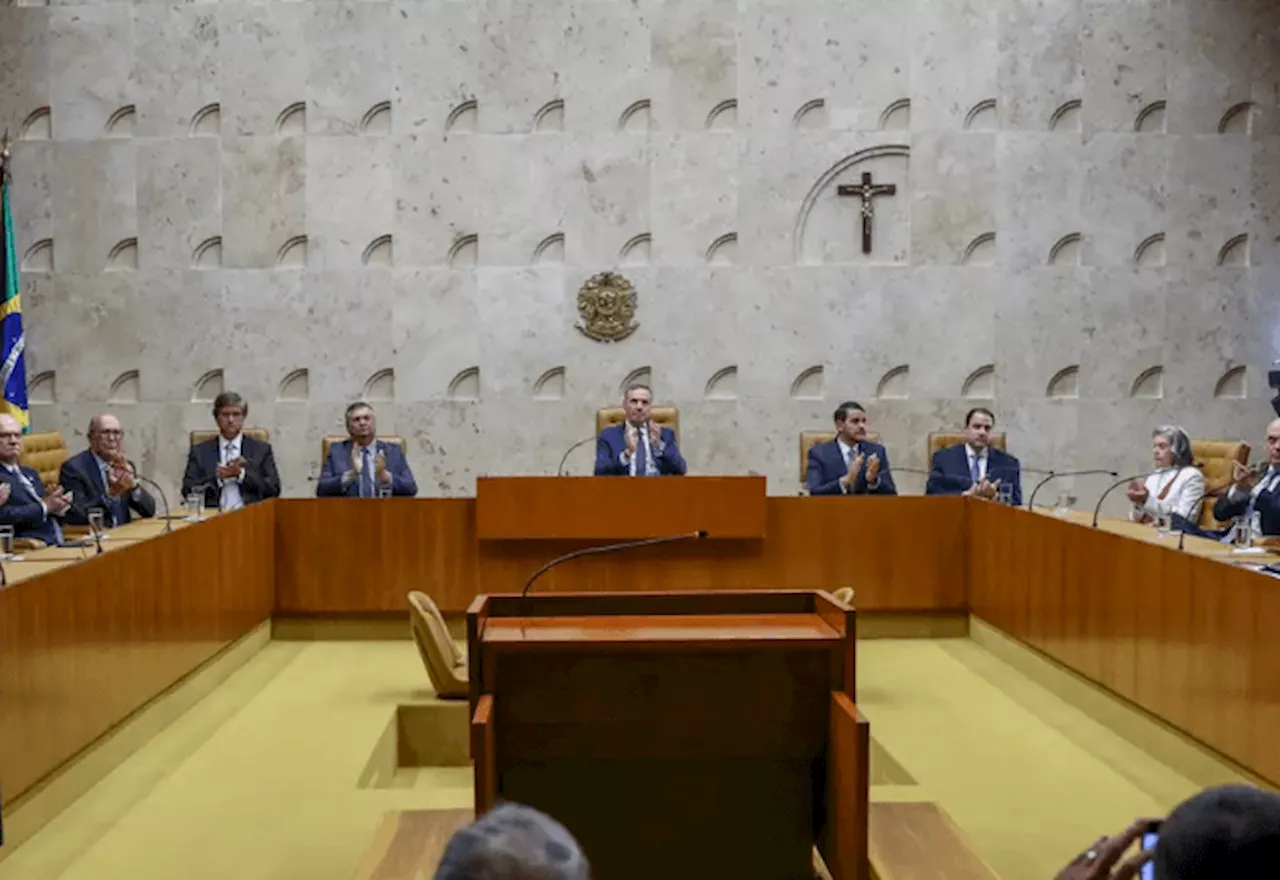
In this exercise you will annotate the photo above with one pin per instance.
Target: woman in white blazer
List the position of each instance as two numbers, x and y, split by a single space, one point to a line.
1176 487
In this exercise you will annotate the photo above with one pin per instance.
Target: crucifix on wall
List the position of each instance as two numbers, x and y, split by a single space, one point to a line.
866 191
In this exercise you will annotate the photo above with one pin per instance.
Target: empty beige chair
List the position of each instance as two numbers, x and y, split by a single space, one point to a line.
844 595
446 667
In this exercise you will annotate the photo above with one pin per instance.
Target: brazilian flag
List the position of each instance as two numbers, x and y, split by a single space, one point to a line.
13 368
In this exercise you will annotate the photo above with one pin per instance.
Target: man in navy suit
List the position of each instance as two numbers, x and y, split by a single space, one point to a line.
975 467
850 464
638 447
232 470
1255 494
102 478
363 466
25 504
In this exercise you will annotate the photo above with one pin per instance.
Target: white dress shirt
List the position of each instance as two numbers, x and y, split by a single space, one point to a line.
981 456
229 451
1183 498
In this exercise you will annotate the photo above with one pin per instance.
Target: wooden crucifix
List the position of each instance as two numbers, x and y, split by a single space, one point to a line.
866 191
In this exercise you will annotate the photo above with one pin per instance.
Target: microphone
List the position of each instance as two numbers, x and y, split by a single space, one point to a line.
168 523
1117 484
1053 475
560 472
699 535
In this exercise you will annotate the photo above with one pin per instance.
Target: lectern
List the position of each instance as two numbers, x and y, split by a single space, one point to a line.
677 735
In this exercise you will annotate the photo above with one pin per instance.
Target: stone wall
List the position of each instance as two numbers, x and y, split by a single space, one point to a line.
312 202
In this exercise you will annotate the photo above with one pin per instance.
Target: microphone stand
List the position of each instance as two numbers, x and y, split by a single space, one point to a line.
609 548
1053 475
560 472
168 523
1117 484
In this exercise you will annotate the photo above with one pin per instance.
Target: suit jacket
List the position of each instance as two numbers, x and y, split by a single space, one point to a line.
612 442
24 511
261 480
80 475
339 462
826 467
1268 505
949 473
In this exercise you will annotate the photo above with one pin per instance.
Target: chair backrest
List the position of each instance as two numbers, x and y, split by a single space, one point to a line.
338 438
665 416
44 453
440 655
810 439
1215 459
261 434
943 439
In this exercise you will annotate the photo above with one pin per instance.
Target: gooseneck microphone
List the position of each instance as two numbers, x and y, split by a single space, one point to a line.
1053 475
168 523
560 472
699 535
1117 484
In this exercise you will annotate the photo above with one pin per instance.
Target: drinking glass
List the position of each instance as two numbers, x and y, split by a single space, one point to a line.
96 515
6 541
1062 506
384 491
1244 532
1162 524
195 506
1005 494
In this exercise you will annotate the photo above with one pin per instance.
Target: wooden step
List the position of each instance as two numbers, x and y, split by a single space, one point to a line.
408 845
919 841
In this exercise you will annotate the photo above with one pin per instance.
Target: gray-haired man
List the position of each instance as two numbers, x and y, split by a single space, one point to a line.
512 842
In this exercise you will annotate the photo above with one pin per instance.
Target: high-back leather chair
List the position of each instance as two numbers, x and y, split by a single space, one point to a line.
665 416
331 439
44 453
1215 459
446 667
810 439
261 434
943 439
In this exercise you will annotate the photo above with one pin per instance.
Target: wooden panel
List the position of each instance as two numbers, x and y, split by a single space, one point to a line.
86 644
843 839
484 755
409 845
641 632
918 841
871 544
610 509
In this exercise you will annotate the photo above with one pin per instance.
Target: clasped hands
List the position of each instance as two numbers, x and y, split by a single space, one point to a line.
984 488
855 465
1137 492
231 470
120 479
633 437
380 472
56 499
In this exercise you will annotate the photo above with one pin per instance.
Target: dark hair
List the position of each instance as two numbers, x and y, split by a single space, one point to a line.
843 410
1228 831
637 386
359 404
229 398
968 417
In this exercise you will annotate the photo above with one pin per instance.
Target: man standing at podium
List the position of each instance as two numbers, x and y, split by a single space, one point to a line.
850 464
638 447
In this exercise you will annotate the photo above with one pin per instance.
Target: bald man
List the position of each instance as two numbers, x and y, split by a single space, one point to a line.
101 477
25 504
1255 495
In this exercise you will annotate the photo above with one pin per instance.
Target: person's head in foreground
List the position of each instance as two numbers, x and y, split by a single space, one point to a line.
1231 832
512 842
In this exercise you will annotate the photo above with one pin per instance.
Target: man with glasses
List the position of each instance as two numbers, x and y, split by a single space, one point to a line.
232 470
25 504
102 478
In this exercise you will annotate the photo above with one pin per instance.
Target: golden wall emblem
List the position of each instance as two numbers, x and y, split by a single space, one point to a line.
607 304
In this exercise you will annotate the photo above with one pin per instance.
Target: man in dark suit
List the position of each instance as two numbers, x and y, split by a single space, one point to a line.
102 478
363 466
25 504
1255 494
638 447
232 470
975 467
850 464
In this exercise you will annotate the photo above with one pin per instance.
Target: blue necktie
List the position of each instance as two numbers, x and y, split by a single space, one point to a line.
642 464
366 474
975 473
115 506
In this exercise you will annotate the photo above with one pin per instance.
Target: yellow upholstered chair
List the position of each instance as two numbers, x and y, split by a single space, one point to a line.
44 453
943 439
810 439
665 416
338 438
844 595
261 434
446 667
1215 459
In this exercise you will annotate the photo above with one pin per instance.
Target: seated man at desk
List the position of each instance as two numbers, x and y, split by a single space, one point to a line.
25 504
102 478
638 447
850 464
362 466
1254 497
975 467
232 470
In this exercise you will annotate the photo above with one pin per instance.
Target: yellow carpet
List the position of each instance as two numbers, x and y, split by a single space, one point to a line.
262 780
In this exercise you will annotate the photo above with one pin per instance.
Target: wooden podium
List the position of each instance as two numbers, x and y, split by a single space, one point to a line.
677 735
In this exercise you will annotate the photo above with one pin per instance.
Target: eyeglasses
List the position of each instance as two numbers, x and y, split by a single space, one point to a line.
110 432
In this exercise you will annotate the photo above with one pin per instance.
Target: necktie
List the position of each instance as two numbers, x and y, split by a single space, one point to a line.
229 497
115 506
642 459
975 471
1251 514
366 474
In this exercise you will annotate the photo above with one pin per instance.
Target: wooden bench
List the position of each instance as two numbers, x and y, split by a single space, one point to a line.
919 841
408 845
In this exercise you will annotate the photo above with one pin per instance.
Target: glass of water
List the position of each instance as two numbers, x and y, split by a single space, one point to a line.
96 516
384 490
195 506
1163 526
1062 506
6 541
1244 532
1005 494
